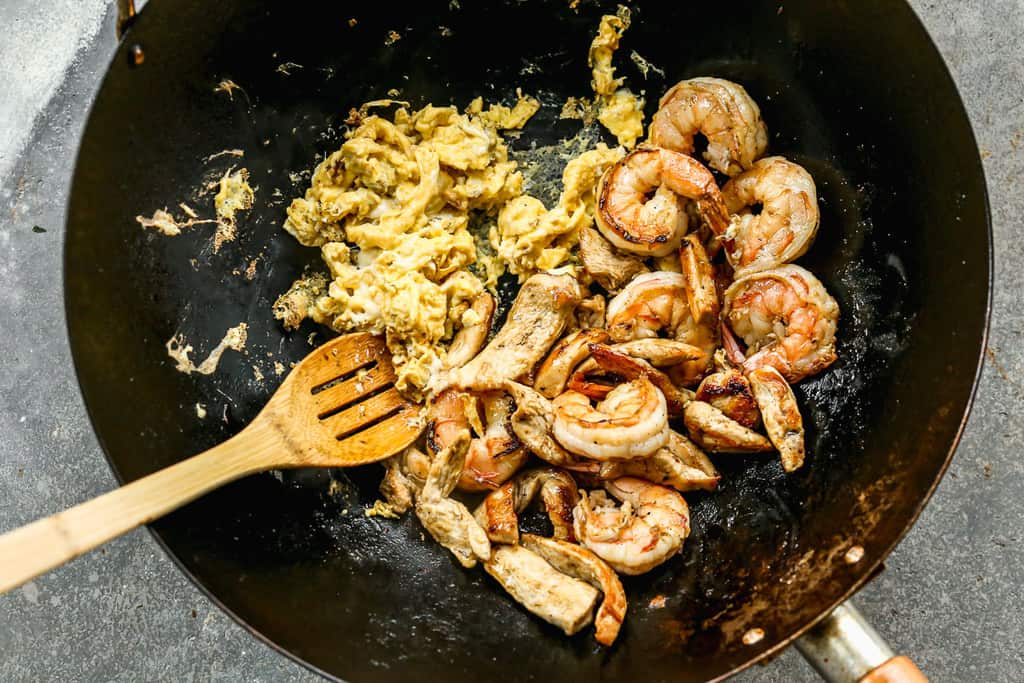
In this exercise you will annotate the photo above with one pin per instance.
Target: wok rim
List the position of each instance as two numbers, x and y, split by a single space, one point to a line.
877 565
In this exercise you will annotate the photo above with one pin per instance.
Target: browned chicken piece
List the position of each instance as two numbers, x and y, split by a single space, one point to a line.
580 563
447 520
532 422
729 391
498 513
633 368
572 350
681 464
404 477
470 339
558 599
782 419
715 432
701 292
537 318
609 267
661 353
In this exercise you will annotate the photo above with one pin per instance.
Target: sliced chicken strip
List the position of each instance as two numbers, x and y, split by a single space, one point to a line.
572 350
532 422
449 521
537 318
558 599
782 419
715 432
681 464
578 562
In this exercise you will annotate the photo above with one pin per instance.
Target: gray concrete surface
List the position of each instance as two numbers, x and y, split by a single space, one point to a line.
951 596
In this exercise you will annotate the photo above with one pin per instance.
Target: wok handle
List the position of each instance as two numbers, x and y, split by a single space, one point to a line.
843 648
125 16
38 547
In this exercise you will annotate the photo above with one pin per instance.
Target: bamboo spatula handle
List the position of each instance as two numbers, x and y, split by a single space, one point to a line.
27 552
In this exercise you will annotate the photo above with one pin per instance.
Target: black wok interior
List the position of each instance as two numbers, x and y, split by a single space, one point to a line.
855 91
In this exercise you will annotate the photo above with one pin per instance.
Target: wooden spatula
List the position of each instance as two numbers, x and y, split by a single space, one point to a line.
336 408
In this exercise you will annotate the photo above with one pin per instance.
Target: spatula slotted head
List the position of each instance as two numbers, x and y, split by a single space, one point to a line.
339 406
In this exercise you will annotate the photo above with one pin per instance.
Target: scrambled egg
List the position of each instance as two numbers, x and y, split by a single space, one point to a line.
621 112
530 238
390 212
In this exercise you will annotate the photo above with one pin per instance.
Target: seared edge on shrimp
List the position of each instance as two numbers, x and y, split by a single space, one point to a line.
635 221
634 368
583 564
715 432
720 110
647 529
782 419
496 454
631 422
787 224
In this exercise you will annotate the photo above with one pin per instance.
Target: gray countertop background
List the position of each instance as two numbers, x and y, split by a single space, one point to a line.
951 595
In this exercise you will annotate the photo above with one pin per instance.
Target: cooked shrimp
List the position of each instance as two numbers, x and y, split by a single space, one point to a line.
634 220
568 353
651 303
497 454
446 420
787 319
716 432
647 529
781 413
656 303
720 110
631 422
583 564
630 368
494 455
787 223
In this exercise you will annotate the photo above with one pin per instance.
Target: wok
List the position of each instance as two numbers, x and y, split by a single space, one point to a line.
855 92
